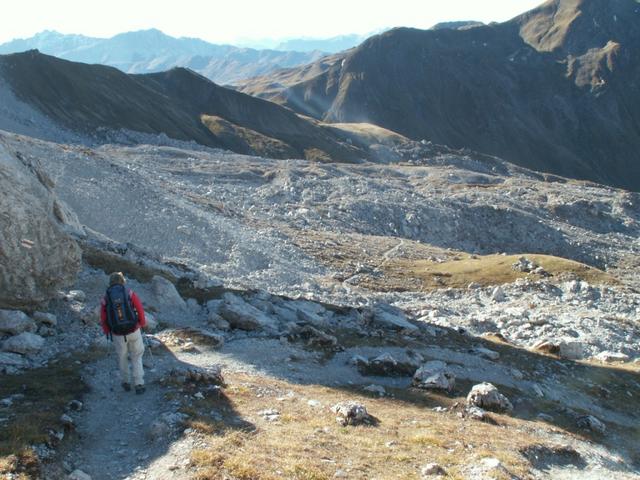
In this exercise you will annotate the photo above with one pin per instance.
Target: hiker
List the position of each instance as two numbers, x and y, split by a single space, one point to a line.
122 317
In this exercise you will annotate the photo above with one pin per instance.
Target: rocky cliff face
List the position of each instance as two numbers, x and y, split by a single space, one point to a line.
37 254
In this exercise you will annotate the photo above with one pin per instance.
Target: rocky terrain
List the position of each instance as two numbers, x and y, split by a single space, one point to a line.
396 297
326 300
149 51
554 89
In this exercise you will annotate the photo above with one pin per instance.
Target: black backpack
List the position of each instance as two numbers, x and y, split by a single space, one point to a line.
122 318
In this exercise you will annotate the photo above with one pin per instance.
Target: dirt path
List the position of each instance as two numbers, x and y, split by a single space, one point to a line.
119 438
115 428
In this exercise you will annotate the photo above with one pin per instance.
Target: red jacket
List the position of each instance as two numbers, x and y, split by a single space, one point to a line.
135 301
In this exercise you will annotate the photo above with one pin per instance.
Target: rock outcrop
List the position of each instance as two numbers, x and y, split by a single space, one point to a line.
37 254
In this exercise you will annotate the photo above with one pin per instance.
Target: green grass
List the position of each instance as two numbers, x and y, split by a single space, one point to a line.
46 391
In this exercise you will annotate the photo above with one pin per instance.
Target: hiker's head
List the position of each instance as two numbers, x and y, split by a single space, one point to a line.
117 278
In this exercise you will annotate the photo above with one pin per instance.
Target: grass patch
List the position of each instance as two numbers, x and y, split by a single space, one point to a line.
490 270
46 392
307 443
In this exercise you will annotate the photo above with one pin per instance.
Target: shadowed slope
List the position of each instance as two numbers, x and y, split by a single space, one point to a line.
555 89
95 99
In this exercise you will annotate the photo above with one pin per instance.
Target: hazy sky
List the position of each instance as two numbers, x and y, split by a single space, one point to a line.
234 20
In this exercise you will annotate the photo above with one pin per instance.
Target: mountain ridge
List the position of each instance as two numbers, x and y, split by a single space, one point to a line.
548 90
95 98
151 50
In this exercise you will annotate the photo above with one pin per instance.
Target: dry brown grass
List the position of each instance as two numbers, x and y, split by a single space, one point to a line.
307 443
489 270
421 267
46 393
245 140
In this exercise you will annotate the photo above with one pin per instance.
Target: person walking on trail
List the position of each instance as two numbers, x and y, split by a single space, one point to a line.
122 318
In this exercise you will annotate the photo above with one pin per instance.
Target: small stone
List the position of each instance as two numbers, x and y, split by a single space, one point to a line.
612 357
79 475
350 413
198 395
15 322
46 318
75 405
159 430
498 295
76 296
314 403
476 413
432 470
270 415
434 375
24 343
589 422
486 353
379 389
11 360
67 422
491 463
545 417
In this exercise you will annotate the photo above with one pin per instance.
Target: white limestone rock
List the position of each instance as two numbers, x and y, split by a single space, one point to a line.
612 357
486 396
351 413
434 375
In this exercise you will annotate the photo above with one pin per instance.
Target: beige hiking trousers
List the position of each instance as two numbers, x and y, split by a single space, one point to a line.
133 347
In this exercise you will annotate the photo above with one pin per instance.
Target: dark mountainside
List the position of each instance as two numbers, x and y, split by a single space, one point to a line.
180 103
555 89
148 51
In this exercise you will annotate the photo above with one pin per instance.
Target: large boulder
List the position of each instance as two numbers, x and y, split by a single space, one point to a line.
244 316
24 343
38 256
166 293
14 322
487 396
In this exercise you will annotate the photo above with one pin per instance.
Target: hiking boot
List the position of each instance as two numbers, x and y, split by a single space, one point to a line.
126 386
140 389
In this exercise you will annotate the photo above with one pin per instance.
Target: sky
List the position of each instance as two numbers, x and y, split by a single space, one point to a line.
242 21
